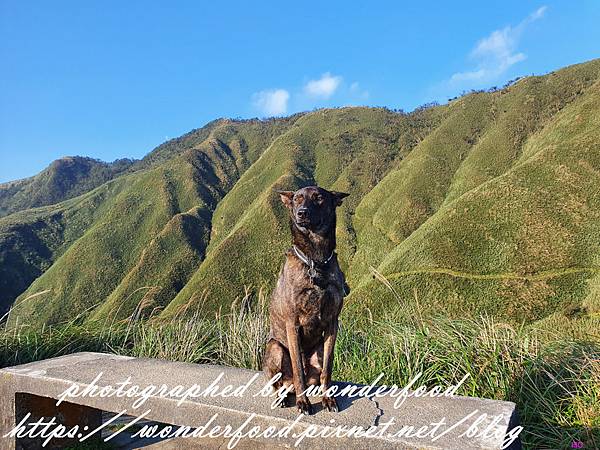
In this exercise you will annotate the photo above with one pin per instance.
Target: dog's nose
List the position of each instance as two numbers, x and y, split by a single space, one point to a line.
301 213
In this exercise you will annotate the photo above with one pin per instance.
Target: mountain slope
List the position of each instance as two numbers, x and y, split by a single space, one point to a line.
346 149
139 210
65 178
525 242
487 204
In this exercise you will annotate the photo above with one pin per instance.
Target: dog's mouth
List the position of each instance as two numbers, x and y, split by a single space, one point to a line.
304 223
307 223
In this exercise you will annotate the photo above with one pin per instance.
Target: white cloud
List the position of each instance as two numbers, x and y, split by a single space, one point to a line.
311 94
356 91
272 102
496 53
538 13
324 87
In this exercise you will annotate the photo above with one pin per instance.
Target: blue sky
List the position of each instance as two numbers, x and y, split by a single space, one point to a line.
114 79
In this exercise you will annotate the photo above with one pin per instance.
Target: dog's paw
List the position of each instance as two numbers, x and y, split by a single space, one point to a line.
329 404
304 405
285 402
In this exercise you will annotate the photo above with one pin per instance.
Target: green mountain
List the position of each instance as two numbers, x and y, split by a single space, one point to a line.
65 178
490 203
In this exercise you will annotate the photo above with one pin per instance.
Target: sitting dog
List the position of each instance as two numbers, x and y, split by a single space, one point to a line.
308 298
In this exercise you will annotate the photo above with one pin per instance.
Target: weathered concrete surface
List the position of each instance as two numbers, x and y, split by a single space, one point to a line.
50 378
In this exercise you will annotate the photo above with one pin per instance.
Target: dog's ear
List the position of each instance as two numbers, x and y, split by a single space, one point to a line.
286 197
338 196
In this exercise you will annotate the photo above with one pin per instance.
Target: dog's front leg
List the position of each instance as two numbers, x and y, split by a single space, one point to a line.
329 403
293 338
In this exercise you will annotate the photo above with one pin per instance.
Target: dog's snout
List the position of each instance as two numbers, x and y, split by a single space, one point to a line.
302 213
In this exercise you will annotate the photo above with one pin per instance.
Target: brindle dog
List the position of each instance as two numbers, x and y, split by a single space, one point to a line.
308 298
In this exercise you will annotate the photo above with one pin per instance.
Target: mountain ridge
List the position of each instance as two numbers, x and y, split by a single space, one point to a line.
64 178
490 183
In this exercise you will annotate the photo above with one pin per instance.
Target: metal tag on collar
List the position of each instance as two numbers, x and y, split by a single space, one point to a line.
312 273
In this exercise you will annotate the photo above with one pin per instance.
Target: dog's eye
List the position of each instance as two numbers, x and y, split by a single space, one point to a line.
319 199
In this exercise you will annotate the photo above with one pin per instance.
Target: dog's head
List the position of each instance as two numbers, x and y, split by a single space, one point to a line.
312 208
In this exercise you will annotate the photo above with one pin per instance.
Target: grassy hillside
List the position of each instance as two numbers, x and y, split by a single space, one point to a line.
65 178
250 231
521 243
489 204
149 225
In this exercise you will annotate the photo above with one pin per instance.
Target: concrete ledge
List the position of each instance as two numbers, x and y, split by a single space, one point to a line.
26 388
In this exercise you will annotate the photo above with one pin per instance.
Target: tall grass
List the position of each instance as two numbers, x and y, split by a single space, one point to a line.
554 381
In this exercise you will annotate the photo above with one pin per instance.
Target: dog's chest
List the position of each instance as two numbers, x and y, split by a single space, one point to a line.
316 307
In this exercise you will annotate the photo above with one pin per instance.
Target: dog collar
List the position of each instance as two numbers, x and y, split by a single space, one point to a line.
312 272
